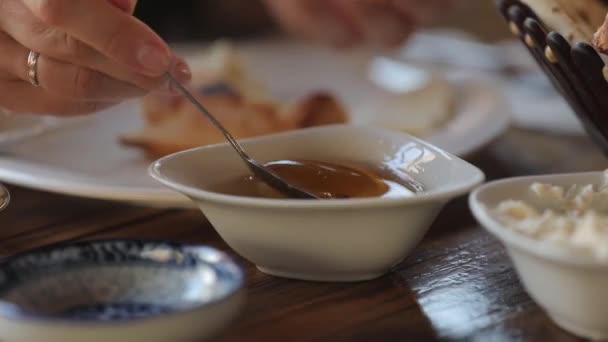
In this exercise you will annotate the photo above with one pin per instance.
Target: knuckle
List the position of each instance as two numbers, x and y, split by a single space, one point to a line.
52 12
42 31
59 44
70 49
86 83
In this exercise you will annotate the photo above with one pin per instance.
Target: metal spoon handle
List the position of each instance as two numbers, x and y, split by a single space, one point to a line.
215 122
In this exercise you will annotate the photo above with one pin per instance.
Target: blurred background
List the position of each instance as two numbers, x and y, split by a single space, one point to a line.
196 19
473 37
487 25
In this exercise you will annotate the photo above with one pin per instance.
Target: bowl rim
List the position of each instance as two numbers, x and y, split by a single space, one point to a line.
445 193
12 312
559 254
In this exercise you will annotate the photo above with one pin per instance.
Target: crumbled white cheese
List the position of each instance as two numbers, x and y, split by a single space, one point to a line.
548 192
575 216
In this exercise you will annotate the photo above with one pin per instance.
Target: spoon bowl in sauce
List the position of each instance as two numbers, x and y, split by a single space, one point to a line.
371 222
326 180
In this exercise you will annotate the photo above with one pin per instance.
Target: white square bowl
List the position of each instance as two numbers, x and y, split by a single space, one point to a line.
325 240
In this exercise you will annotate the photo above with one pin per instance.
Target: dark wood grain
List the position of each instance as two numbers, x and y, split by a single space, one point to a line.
457 285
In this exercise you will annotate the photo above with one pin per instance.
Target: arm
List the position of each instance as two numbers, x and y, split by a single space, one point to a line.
350 22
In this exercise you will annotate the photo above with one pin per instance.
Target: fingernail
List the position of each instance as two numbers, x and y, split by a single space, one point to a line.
182 72
154 59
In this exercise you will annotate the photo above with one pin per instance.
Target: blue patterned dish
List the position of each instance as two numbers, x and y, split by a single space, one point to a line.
118 290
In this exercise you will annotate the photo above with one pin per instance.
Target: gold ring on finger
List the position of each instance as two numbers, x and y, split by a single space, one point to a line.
32 68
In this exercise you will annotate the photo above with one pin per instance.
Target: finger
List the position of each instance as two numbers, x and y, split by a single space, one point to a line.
22 97
76 82
64 79
35 35
116 34
313 20
10 60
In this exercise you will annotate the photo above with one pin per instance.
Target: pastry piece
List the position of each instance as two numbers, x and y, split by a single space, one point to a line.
174 124
575 20
317 109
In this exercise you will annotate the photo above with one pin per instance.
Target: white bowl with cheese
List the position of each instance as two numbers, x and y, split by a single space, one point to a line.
557 240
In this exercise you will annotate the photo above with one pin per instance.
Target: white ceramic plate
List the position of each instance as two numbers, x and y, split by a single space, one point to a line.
83 158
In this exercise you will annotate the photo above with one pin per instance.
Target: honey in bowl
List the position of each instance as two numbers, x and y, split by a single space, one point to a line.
324 179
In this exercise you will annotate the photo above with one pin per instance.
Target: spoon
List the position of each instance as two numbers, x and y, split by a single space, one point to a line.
257 168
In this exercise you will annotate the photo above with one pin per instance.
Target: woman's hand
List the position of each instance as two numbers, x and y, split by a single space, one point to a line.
92 54
350 22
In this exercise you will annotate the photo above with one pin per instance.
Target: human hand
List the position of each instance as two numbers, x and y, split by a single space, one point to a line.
350 22
93 54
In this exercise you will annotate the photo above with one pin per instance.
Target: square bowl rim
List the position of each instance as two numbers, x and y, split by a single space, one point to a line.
445 193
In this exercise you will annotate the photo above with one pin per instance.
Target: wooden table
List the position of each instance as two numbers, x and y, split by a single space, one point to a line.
459 283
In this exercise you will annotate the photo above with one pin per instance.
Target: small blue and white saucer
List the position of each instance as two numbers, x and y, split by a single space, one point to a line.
118 290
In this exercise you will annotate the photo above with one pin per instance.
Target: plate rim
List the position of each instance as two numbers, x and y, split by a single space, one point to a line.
494 122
